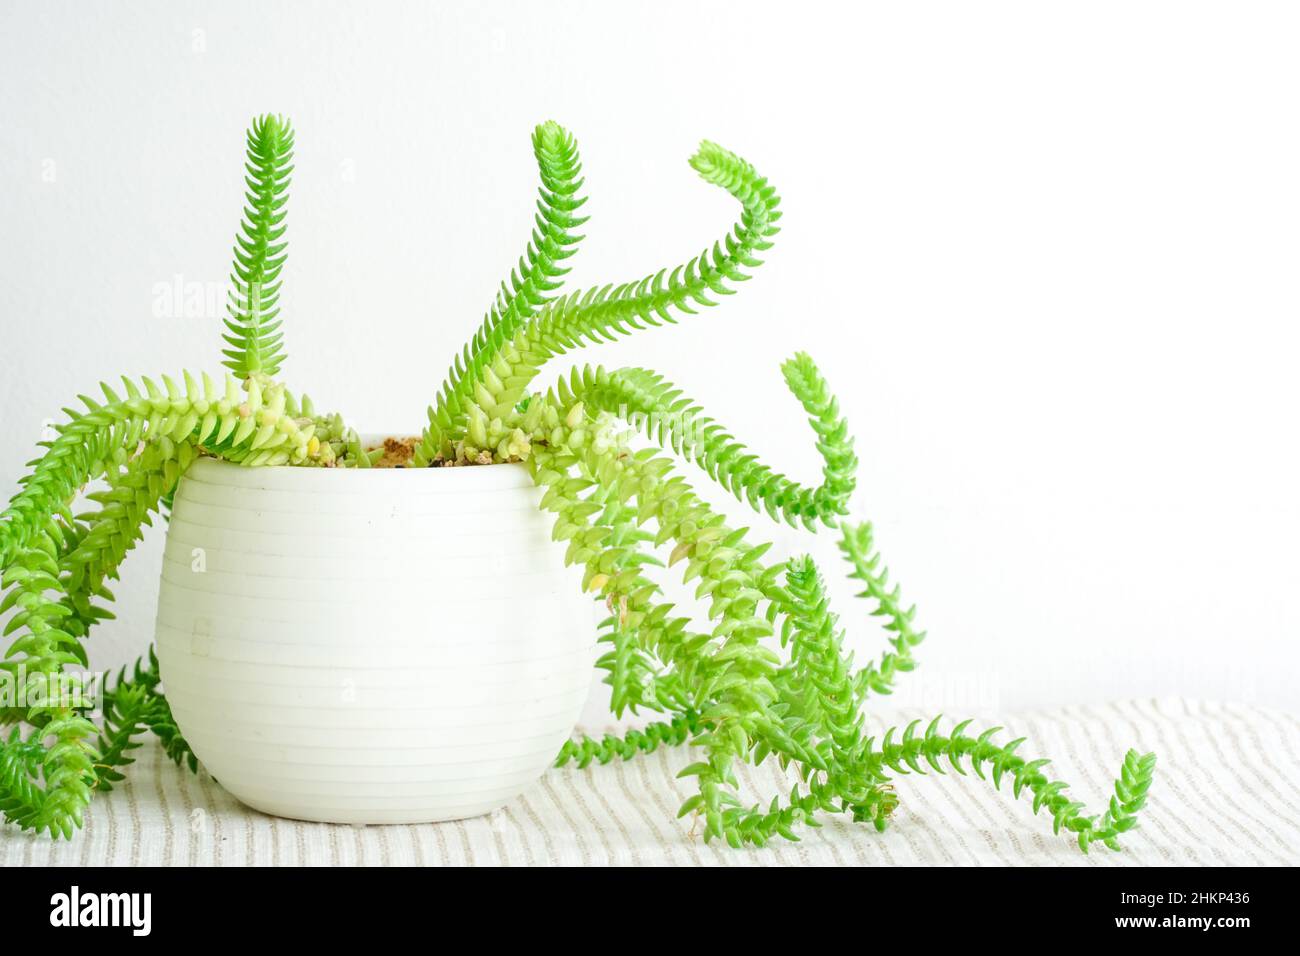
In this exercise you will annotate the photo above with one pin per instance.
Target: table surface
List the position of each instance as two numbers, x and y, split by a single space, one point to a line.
1227 792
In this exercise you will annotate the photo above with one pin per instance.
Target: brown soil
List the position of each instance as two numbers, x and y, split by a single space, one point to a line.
397 452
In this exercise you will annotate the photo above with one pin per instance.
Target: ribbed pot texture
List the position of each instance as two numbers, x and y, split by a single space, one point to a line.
371 646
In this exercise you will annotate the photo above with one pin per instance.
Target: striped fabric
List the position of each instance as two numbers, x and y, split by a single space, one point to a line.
1227 793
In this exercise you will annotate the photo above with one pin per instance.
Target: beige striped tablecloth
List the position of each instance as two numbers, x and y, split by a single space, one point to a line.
1227 793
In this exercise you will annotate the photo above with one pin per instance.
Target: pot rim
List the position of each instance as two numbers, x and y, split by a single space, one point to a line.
497 476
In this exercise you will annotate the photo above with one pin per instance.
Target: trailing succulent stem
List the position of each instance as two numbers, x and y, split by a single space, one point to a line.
650 403
133 705
643 740
765 678
856 544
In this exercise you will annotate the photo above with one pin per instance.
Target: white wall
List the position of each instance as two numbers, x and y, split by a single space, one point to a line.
1046 254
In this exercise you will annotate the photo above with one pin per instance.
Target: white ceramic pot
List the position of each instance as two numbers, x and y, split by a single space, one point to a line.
379 646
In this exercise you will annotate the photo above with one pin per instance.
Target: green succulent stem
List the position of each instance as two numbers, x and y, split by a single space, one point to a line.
642 740
132 706
256 344
650 403
998 762
857 546
531 285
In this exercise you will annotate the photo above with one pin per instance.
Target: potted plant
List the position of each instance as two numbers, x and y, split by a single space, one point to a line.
345 641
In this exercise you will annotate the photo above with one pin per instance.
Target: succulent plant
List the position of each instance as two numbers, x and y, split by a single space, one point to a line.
768 679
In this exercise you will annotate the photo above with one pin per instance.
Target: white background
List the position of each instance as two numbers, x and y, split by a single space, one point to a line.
1047 254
